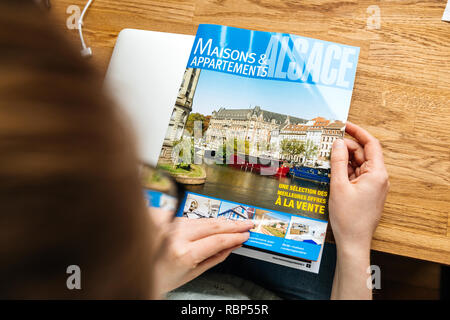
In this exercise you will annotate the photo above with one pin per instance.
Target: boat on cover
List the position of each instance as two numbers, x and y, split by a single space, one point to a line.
282 171
308 173
256 165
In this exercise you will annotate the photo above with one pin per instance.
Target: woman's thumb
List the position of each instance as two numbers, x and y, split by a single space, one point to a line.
339 162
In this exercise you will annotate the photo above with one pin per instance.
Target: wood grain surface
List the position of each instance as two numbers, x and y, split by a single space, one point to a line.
401 93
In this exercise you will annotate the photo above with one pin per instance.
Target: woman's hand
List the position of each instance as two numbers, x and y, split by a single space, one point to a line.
358 189
192 246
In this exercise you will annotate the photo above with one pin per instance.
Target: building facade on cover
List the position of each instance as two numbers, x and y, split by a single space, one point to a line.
293 132
318 131
254 125
330 133
315 128
181 111
263 128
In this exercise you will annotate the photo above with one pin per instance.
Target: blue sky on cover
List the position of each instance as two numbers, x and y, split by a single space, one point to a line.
307 101
228 205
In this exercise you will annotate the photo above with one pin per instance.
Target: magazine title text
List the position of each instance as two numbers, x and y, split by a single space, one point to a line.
280 57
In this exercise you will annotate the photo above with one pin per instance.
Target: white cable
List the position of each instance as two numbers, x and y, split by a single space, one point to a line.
85 51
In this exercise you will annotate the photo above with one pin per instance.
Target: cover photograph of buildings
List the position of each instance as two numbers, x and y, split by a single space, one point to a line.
236 138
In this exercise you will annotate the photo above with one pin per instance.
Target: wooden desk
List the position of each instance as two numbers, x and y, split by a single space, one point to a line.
401 94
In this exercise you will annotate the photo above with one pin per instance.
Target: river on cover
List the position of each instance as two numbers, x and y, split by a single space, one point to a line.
248 188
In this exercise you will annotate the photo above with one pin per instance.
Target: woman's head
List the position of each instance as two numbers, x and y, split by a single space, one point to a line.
69 185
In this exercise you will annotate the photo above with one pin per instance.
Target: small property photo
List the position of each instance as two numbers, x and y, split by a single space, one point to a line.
197 207
306 230
235 211
271 223
299 228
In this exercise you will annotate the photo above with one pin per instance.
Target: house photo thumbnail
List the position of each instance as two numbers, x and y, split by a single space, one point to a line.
271 223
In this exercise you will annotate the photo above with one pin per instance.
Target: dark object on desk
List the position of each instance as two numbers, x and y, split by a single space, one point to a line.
445 282
45 3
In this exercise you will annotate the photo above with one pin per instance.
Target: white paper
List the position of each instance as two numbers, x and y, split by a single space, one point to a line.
446 15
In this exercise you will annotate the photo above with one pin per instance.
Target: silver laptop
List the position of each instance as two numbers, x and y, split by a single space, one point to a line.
144 77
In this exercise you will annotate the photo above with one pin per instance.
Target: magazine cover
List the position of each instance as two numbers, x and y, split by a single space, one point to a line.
251 133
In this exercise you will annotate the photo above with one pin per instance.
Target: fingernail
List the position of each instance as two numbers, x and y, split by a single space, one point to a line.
249 223
247 234
339 143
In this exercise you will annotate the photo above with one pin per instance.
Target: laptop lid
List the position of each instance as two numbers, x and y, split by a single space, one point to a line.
144 76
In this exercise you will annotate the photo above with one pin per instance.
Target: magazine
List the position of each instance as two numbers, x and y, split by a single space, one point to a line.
251 132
